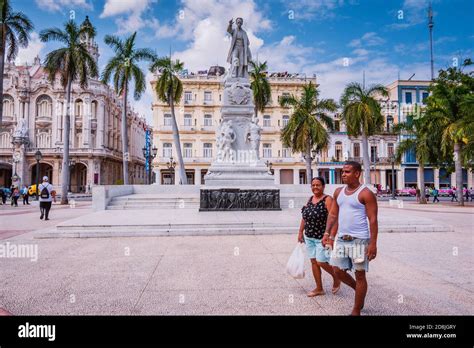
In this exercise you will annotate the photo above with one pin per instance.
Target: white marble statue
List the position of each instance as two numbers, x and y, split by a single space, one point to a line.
253 135
21 131
239 51
225 139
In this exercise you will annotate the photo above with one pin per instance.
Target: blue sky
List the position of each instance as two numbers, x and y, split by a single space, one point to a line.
384 38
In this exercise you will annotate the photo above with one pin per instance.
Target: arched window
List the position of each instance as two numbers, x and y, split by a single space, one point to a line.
267 121
8 106
79 108
44 106
94 109
285 120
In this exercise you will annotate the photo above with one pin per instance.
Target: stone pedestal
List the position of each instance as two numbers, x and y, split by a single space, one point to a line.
238 141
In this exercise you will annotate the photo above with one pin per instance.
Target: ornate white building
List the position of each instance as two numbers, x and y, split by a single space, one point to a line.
33 119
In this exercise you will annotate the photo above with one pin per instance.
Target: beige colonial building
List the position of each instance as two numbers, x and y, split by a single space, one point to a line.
198 115
35 110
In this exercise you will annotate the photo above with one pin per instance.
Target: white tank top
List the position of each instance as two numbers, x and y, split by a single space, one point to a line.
352 215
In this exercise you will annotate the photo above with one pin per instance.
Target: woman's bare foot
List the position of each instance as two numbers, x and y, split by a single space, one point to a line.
336 286
316 292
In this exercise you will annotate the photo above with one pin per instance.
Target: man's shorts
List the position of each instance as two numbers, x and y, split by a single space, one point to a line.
315 249
350 255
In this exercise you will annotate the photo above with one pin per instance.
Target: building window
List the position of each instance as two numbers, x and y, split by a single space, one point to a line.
389 123
207 96
373 154
188 120
167 120
188 97
188 150
286 152
424 95
208 120
337 126
338 151
207 150
267 122
390 148
44 106
267 150
8 105
356 149
408 98
285 120
167 150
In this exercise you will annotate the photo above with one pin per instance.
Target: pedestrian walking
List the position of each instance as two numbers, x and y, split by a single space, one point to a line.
466 195
453 194
46 197
471 193
354 210
313 223
3 196
435 195
24 193
427 193
15 195
418 195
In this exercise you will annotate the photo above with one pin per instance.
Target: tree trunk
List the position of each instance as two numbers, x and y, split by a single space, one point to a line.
2 68
67 130
422 183
177 144
308 160
458 171
365 158
125 154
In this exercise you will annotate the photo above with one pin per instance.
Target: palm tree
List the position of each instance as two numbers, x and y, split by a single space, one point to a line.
72 62
307 128
124 67
260 86
15 30
361 113
450 110
169 89
417 140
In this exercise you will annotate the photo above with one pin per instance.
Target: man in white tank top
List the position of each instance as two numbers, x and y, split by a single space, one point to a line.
355 212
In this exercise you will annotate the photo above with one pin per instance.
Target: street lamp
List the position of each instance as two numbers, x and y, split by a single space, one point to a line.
392 159
149 157
171 165
38 157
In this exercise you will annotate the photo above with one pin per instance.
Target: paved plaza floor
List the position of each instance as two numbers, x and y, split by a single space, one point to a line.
413 274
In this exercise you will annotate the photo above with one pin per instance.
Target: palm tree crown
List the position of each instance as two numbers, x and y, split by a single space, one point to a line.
308 124
362 115
72 61
15 30
260 85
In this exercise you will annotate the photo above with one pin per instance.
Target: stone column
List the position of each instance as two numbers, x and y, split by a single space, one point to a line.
157 172
401 178
469 179
57 175
383 178
86 120
99 140
436 177
277 176
296 176
453 179
197 176
176 176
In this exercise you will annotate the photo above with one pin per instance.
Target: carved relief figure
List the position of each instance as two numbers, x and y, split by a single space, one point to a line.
225 139
253 136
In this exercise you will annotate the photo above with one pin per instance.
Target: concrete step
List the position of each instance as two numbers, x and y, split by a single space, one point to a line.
243 228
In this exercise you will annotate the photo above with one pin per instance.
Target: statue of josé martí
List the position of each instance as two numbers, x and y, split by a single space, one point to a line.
239 53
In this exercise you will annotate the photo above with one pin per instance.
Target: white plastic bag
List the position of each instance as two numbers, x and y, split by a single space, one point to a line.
295 265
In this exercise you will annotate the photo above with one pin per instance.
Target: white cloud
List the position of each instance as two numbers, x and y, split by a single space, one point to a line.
129 12
413 12
368 39
28 54
312 9
63 5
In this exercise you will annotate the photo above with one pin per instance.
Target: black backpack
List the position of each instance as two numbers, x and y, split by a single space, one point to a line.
44 192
